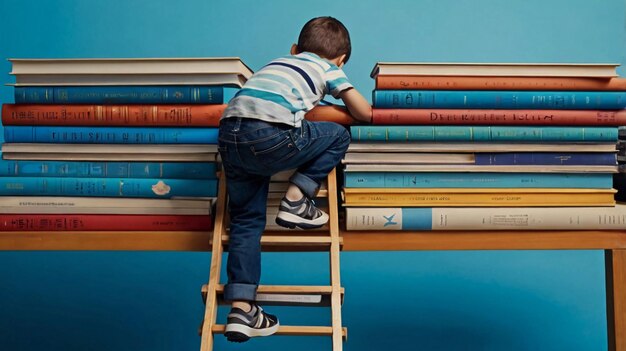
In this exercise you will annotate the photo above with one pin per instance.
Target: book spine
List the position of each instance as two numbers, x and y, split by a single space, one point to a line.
477 180
546 158
335 114
499 117
65 222
500 99
482 133
391 82
176 94
514 199
168 170
109 135
108 187
493 218
113 115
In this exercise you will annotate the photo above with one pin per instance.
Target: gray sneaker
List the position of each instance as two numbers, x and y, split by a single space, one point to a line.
241 326
301 213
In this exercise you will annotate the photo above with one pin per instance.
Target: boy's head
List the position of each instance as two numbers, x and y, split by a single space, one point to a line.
326 37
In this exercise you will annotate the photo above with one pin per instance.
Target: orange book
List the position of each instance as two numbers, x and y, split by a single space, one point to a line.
113 115
498 117
397 82
337 114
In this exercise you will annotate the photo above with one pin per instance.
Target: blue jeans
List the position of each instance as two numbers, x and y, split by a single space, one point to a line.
252 151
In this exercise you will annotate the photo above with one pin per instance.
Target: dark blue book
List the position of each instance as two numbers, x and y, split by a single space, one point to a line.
107 187
109 135
547 158
86 169
500 99
173 94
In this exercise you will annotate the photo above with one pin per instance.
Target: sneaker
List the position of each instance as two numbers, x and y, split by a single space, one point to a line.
301 213
241 326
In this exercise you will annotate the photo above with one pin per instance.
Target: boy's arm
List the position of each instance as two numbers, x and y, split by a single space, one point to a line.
358 106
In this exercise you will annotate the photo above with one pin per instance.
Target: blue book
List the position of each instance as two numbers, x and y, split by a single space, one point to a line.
547 158
107 187
483 133
80 169
102 95
500 99
477 180
109 135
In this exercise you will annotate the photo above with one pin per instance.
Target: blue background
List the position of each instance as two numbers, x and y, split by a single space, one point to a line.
491 300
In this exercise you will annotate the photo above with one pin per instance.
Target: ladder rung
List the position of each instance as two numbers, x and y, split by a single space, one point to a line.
295 330
286 295
278 241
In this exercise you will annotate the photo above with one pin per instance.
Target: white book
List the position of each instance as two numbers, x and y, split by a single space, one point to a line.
407 158
226 79
289 298
480 147
598 70
130 65
487 218
479 168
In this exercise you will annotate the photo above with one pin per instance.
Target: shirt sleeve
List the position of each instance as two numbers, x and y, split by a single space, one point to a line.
336 81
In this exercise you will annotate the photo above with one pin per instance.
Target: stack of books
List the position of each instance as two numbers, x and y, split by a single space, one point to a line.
487 147
113 144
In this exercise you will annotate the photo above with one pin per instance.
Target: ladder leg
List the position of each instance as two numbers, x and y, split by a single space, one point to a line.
210 312
335 279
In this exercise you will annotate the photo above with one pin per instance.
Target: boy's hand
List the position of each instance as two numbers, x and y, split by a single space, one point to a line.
358 106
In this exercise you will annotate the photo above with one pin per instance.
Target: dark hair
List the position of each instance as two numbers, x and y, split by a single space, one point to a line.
325 36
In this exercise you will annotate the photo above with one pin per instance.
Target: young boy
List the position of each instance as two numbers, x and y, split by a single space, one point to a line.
263 132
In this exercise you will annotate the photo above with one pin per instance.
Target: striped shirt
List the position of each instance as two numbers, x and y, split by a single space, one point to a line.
287 88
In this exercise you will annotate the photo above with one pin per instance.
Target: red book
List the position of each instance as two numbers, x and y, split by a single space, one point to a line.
113 115
88 222
498 117
392 82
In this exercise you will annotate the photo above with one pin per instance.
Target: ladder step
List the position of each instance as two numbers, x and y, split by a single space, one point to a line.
286 295
296 330
278 241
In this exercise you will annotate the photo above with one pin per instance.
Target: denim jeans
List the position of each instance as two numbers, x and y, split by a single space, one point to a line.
252 151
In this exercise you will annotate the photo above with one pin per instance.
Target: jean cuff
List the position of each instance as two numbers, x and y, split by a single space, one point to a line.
307 185
240 292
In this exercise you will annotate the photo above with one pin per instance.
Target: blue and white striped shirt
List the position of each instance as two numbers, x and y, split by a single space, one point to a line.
287 88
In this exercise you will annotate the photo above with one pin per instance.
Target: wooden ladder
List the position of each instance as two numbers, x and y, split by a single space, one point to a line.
327 240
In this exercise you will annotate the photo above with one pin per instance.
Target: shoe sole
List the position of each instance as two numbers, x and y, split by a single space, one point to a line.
289 220
242 333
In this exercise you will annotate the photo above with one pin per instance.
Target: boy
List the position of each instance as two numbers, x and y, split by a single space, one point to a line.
263 132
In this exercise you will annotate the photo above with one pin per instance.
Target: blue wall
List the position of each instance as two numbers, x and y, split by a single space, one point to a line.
499 300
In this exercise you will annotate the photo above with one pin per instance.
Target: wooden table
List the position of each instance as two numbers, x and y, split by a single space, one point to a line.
612 242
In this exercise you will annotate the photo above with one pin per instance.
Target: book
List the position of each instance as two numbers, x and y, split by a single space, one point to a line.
384 179
483 133
472 197
153 65
337 114
226 79
455 168
516 158
406 82
110 152
411 158
110 135
500 99
479 147
171 170
597 70
103 205
487 218
100 222
499 117
107 187
113 115
106 95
